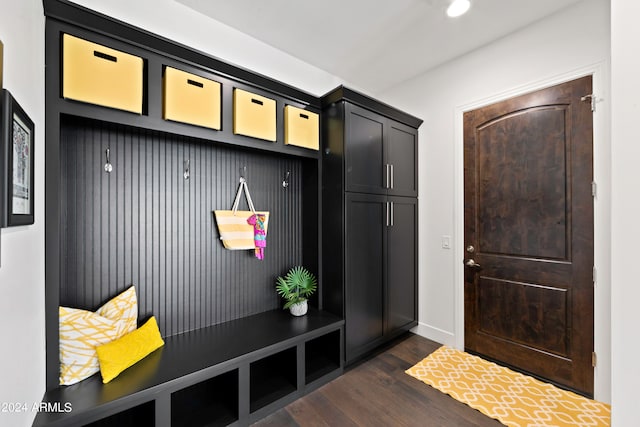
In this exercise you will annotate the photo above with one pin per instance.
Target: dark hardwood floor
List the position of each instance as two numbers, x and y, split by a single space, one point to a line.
377 392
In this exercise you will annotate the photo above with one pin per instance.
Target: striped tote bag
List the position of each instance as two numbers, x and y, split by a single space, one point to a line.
235 232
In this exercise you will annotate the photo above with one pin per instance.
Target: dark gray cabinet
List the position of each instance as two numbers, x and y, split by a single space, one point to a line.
365 159
401 261
380 269
402 158
365 253
381 154
370 219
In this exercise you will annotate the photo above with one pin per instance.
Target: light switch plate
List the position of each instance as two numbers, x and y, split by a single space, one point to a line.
446 242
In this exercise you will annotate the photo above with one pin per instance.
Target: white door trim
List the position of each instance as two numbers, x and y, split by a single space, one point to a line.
602 205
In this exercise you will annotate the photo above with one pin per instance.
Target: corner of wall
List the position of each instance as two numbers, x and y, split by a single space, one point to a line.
22 361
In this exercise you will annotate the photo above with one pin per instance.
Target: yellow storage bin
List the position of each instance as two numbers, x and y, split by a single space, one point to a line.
100 75
254 115
191 99
301 128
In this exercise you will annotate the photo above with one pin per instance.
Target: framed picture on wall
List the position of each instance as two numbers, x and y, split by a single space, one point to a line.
17 166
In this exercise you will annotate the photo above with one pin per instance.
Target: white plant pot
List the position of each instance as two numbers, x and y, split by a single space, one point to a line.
299 309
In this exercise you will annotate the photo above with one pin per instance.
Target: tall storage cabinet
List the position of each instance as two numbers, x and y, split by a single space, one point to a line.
370 219
380 155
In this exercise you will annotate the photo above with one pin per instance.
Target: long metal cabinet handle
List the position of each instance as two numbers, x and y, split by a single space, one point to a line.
392 213
386 175
391 178
387 206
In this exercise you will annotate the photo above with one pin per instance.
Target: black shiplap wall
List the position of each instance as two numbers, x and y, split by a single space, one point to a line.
144 224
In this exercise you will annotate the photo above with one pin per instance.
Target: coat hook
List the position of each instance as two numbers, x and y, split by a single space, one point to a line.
285 181
187 171
108 167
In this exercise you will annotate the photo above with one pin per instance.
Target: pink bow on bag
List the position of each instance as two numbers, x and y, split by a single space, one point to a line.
259 233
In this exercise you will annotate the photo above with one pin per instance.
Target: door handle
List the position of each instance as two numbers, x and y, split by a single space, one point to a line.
471 263
392 213
391 178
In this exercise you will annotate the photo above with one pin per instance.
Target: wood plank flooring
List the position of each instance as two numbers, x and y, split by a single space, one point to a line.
377 392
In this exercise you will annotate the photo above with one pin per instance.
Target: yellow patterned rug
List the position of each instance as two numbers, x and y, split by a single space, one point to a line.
509 397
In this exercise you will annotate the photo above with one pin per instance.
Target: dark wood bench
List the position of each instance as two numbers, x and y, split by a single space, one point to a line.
233 373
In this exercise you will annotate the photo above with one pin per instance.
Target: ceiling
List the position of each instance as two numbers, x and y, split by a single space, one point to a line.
375 44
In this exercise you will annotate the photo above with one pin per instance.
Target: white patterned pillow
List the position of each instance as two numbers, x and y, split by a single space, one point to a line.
81 331
124 308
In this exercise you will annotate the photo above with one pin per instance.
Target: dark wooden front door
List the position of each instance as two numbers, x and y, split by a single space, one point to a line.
528 171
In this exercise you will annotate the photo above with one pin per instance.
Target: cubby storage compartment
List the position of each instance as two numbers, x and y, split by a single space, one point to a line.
213 402
321 356
254 115
191 99
301 128
272 378
100 75
138 416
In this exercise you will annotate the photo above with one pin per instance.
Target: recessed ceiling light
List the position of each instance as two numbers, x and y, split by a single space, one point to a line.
458 7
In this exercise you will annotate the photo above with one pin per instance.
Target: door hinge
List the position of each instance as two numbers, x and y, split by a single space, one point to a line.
592 98
594 189
595 274
594 359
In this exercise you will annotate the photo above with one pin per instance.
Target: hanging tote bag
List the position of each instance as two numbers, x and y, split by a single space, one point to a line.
242 230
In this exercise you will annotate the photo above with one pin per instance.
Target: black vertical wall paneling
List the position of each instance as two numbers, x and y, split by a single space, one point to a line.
144 224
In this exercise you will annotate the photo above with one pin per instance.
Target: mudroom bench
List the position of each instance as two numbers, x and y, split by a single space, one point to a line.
233 373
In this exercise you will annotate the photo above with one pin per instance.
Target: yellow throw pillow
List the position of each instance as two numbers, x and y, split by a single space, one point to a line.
81 331
118 355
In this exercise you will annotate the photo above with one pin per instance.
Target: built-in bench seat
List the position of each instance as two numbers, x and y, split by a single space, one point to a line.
233 373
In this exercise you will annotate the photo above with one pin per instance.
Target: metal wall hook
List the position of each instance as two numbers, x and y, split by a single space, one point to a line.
187 169
108 167
243 173
285 181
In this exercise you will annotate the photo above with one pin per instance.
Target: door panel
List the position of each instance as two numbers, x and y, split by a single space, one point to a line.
525 313
365 232
529 217
402 260
402 154
364 154
522 184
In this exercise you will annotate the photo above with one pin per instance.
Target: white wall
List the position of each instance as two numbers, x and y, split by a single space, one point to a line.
625 211
177 22
22 354
572 43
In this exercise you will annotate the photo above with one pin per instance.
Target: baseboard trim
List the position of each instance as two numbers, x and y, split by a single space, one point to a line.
435 334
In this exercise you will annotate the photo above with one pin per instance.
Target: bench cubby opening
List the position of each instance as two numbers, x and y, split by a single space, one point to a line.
322 356
213 402
272 378
138 416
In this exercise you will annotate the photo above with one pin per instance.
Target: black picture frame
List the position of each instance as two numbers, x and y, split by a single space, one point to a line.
17 174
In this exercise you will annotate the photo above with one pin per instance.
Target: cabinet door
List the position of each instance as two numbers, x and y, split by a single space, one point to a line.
402 251
402 155
365 166
364 272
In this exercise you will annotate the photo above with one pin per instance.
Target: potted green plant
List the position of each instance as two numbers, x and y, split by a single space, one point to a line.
295 288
